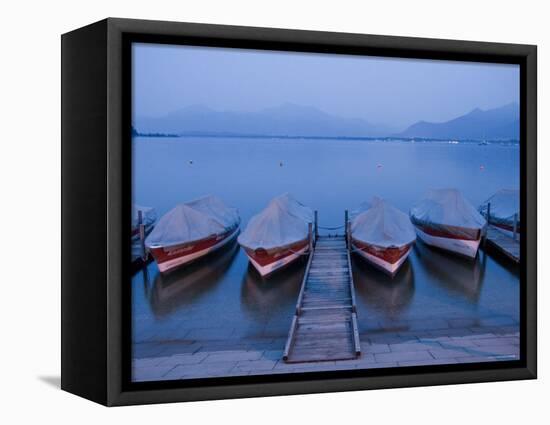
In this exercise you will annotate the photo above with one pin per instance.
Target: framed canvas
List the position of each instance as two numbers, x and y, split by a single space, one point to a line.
253 212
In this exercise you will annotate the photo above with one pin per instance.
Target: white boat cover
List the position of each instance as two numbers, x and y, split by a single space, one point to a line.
447 207
148 215
363 206
504 204
193 221
383 225
283 222
213 206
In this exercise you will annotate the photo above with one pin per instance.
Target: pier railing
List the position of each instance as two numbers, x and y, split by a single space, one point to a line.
142 235
308 266
316 218
347 231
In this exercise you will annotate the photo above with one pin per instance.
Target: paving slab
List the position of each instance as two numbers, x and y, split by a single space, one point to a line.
403 356
232 356
151 373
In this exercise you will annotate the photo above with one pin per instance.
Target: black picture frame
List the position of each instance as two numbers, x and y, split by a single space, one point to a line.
96 165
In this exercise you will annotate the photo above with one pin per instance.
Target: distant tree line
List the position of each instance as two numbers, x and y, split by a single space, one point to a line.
136 133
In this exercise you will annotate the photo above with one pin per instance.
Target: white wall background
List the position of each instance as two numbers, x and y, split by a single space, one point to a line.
30 212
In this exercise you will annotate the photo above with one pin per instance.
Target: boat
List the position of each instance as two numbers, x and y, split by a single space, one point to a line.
192 230
363 206
278 235
446 220
171 292
504 211
382 235
148 218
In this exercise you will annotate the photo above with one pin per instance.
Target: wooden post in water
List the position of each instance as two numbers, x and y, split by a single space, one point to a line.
487 227
310 234
346 227
348 233
515 226
316 224
142 235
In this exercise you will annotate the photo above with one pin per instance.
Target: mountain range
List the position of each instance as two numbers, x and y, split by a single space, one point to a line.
498 123
287 119
305 121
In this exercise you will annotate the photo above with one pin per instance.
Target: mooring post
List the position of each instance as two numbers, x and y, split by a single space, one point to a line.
515 226
142 234
488 224
310 234
346 227
316 225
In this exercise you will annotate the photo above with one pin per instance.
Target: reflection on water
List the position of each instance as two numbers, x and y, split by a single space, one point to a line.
263 298
381 292
185 286
222 296
460 275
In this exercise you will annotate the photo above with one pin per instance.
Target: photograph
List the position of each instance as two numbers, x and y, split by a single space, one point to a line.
300 212
279 212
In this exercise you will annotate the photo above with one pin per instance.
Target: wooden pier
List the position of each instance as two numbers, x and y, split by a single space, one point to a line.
325 324
504 244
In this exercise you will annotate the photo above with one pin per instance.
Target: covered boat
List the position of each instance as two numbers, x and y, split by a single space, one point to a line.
382 235
278 235
148 218
446 220
363 206
503 212
192 230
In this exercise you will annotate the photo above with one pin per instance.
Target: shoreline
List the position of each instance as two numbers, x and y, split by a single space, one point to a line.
190 359
344 138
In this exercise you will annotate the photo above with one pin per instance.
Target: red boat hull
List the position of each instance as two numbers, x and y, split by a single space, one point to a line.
389 260
174 256
448 232
269 261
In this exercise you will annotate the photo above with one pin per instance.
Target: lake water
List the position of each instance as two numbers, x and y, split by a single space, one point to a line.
222 296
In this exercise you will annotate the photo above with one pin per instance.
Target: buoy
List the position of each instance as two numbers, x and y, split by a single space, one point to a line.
191 162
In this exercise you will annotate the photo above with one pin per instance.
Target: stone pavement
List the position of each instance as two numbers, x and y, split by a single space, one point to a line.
427 342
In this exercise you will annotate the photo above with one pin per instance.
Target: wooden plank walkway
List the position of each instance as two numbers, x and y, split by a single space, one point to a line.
325 324
503 243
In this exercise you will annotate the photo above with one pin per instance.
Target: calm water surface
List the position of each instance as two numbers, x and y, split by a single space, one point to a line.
222 296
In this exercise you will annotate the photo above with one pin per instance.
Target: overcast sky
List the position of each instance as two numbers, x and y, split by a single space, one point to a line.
395 92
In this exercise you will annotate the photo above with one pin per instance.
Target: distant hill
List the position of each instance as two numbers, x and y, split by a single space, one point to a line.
285 120
498 123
